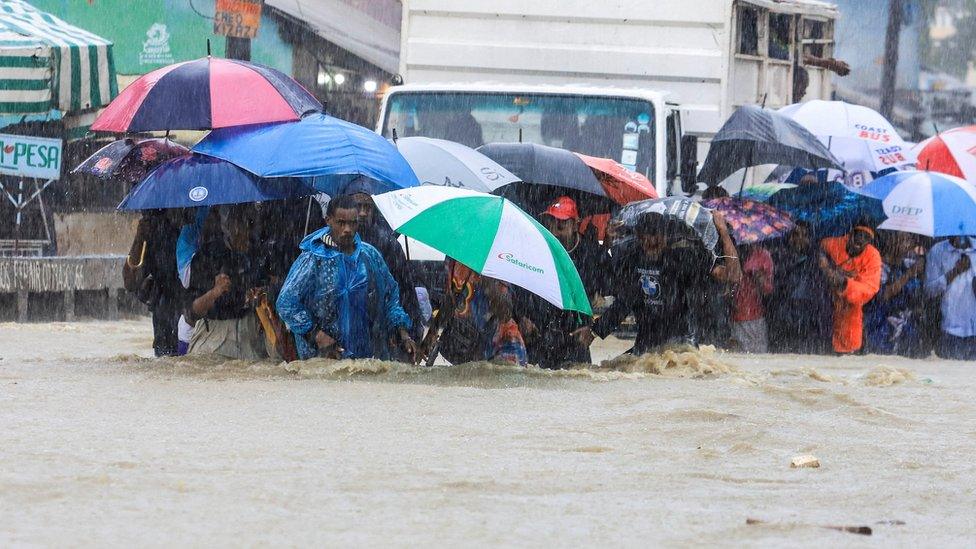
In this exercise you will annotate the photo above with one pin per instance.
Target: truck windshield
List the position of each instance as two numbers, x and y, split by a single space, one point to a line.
608 127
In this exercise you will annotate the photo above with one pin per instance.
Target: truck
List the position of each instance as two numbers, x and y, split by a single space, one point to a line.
647 83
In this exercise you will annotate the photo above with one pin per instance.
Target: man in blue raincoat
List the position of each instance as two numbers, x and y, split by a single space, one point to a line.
340 299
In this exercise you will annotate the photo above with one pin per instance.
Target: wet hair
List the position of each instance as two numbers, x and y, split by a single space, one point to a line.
714 192
341 202
651 223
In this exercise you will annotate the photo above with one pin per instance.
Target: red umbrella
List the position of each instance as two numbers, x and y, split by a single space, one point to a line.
952 153
623 186
205 94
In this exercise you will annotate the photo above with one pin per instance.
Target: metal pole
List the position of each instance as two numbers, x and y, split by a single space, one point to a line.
890 72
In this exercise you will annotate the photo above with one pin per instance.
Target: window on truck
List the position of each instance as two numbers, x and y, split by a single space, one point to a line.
608 127
671 145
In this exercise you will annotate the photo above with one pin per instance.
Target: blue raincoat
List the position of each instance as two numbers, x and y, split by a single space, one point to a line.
353 298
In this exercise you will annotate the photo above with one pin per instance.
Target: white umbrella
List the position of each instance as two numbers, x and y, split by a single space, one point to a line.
863 139
450 164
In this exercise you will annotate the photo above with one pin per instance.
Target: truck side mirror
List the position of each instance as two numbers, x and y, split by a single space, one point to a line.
689 163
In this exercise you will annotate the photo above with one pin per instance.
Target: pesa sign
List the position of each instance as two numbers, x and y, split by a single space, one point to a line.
25 156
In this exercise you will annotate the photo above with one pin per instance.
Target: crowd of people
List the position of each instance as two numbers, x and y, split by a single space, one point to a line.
245 282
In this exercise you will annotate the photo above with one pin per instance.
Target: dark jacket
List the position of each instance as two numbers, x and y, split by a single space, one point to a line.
666 295
385 241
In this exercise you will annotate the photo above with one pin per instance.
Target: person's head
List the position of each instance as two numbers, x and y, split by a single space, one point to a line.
799 238
714 192
960 242
858 240
562 220
342 217
235 226
364 208
809 179
801 81
653 233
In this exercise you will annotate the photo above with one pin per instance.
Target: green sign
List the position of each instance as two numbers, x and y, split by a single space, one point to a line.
25 156
149 34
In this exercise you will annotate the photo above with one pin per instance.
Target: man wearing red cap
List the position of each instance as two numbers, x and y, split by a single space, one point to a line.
548 330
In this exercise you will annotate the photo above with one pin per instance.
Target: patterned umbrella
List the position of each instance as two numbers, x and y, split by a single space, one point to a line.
751 221
130 159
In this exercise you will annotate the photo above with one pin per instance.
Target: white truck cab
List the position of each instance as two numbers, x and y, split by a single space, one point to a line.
638 128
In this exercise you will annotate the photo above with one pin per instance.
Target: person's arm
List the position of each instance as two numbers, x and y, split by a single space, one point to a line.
730 270
202 305
294 291
829 63
896 286
864 285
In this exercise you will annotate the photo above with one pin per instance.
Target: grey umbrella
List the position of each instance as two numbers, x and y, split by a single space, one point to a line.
754 136
450 164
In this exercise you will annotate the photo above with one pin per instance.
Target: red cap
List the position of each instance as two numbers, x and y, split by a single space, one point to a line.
563 208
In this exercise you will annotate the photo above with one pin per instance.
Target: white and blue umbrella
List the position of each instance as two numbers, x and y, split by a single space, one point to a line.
926 203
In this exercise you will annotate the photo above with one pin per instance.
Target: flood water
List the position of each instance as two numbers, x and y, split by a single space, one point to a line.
103 446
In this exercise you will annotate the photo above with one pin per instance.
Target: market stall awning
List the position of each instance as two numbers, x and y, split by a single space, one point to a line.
46 64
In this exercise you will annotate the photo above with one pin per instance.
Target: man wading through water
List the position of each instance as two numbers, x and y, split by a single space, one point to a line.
548 329
340 299
662 281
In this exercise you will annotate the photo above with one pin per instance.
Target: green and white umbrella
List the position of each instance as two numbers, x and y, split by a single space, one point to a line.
491 236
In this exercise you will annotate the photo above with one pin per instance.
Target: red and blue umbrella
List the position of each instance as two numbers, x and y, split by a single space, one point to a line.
204 94
194 180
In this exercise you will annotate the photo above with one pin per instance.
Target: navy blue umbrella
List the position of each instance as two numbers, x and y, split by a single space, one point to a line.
195 180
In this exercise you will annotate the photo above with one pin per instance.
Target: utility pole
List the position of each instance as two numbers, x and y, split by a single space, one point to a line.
238 48
890 71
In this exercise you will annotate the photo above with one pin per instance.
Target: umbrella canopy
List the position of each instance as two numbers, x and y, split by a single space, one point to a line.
926 203
696 219
860 137
130 159
753 136
751 221
204 94
450 164
622 185
952 152
546 173
192 181
491 236
829 208
48 64
333 151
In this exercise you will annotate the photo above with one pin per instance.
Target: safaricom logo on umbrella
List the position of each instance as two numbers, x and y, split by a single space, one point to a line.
506 256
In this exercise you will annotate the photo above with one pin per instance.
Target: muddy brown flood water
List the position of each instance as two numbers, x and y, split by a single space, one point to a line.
101 446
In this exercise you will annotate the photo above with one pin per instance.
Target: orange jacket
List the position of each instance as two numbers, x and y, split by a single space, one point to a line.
862 285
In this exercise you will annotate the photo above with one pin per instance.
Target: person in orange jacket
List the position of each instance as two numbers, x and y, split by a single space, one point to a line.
852 267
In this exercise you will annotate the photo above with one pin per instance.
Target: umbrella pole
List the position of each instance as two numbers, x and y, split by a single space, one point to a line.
406 246
308 215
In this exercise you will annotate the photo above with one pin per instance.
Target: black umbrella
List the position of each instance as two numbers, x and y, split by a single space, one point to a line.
754 136
547 173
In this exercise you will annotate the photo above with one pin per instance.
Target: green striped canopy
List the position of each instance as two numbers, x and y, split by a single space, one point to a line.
48 64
